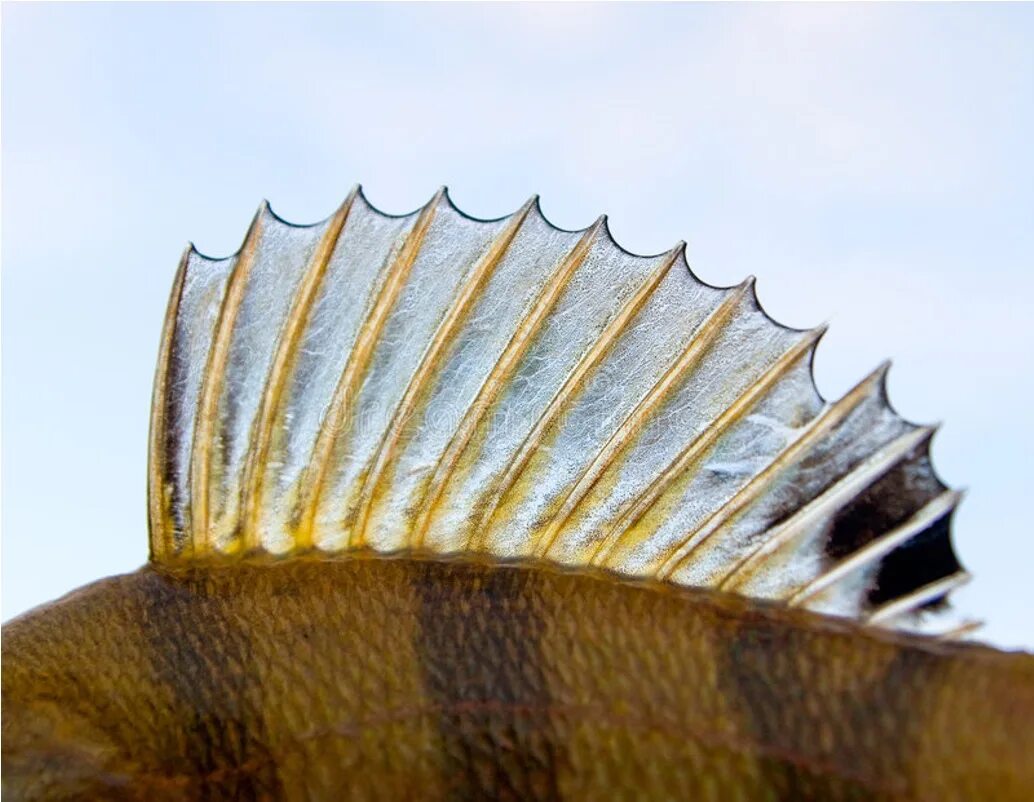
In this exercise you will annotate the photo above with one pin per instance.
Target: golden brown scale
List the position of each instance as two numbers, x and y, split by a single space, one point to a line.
366 678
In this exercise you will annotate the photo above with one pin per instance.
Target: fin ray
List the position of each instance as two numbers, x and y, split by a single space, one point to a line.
940 506
506 362
287 346
212 381
445 332
837 495
574 379
684 362
699 445
829 418
314 479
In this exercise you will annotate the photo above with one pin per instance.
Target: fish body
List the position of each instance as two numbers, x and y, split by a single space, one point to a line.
372 678
443 508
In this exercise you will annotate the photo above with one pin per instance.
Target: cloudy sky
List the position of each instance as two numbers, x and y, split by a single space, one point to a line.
872 165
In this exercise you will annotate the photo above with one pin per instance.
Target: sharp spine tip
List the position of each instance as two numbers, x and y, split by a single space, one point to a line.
526 207
597 228
882 371
874 379
819 331
263 212
441 196
924 434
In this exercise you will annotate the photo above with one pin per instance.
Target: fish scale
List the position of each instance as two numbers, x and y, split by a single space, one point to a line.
369 678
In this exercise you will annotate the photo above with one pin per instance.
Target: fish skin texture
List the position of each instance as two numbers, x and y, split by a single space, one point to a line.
368 677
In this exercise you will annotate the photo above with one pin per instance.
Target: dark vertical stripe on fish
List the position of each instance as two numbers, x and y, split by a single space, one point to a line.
479 639
833 734
218 743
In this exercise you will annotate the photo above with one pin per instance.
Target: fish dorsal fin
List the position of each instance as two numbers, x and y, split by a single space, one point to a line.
438 383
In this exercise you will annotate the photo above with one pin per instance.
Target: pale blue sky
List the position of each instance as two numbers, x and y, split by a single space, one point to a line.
872 165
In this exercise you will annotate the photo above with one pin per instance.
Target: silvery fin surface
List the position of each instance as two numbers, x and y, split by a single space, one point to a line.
440 383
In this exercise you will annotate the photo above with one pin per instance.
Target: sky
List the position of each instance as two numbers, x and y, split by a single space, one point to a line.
870 164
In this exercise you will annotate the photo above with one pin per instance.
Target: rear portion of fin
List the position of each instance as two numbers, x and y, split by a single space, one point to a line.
453 385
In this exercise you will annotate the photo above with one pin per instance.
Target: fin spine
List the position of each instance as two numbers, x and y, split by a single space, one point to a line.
469 293
962 631
702 444
822 424
938 507
887 613
519 342
290 338
212 382
160 533
393 279
701 340
572 384
829 501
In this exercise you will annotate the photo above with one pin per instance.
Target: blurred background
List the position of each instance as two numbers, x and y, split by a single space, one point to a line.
871 164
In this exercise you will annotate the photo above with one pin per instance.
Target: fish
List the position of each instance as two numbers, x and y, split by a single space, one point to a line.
450 508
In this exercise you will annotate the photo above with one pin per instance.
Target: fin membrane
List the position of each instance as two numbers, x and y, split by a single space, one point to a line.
436 382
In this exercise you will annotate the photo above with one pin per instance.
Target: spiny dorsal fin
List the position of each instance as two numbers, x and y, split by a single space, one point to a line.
436 382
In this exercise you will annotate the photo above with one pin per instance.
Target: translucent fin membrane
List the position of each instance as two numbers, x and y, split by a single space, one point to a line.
504 387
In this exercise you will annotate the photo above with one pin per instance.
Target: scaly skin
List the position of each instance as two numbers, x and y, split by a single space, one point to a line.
366 678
